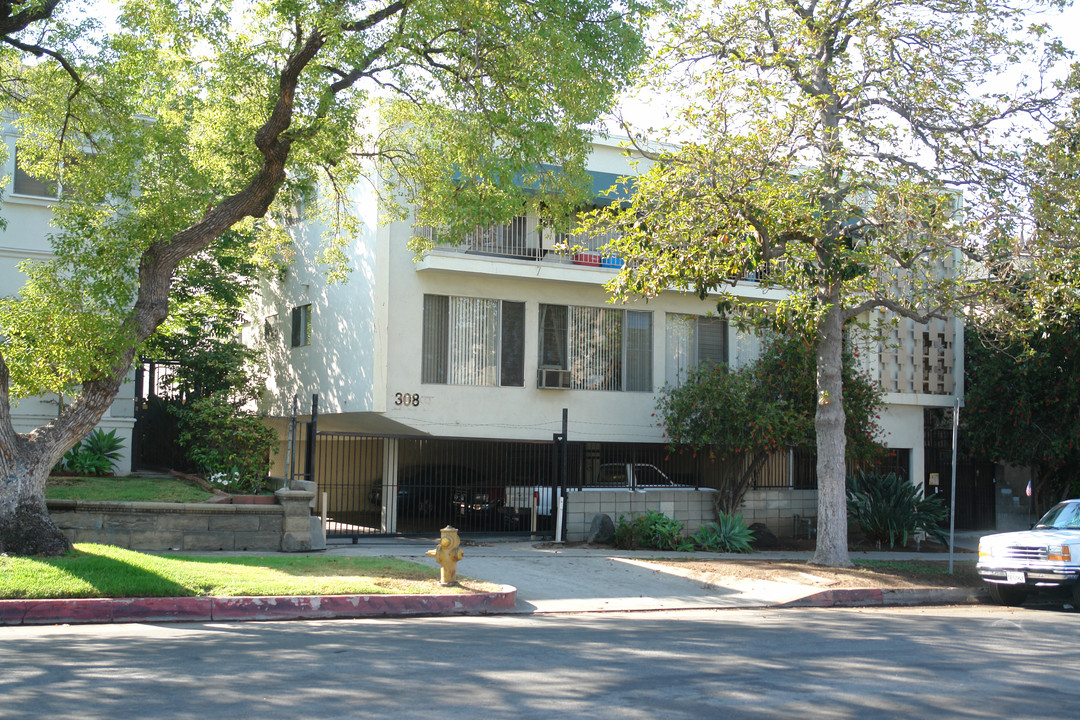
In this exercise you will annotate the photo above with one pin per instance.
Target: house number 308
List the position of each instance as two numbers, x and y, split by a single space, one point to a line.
407 399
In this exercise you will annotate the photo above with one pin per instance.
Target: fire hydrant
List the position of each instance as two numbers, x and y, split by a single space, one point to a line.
447 555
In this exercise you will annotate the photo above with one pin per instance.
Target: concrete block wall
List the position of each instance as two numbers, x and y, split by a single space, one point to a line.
692 507
171 526
776 507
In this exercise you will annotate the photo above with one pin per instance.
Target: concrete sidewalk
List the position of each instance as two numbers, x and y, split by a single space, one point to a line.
536 577
551 578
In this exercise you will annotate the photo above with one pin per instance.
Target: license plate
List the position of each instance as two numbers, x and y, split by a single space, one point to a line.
1014 577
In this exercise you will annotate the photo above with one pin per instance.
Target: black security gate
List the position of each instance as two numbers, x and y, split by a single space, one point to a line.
386 484
975 497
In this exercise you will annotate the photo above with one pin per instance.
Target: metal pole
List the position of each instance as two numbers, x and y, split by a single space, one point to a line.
952 485
290 458
309 464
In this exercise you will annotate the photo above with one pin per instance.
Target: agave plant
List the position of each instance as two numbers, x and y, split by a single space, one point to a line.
889 508
728 534
97 454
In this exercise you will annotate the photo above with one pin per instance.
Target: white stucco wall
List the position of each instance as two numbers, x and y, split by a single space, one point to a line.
346 334
366 342
26 238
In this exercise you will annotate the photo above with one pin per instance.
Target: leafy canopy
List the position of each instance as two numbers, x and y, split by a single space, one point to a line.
825 148
185 113
1022 404
740 417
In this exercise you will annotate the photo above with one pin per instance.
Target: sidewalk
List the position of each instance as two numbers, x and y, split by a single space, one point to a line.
558 579
536 577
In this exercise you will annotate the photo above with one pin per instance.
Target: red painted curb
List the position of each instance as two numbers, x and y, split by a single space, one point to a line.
222 609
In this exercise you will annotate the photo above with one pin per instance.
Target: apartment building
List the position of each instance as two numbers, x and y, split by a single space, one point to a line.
446 383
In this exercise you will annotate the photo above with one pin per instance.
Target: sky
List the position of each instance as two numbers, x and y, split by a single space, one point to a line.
1063 24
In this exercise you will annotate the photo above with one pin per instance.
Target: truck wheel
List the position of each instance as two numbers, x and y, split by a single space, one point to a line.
1010 595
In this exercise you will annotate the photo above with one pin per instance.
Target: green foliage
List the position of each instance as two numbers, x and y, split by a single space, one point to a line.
741 416
227 445
97 454
652 529
889 508
1022 403
160 128
728 534
823 140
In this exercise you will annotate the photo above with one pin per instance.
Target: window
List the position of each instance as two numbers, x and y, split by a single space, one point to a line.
26 184
473 341
693 341
269 328
301 326
602 348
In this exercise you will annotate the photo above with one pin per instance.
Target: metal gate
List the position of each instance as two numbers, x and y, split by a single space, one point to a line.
380 484
975 497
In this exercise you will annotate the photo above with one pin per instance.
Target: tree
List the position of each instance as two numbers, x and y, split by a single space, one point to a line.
188 120
824 148
1023 406
741 417
1021 367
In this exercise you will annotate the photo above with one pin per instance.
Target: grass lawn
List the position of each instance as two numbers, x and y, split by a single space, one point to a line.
124 489
106 571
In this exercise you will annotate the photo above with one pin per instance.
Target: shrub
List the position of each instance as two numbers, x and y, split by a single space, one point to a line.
888 508
653 530
97 454
227 445
728 534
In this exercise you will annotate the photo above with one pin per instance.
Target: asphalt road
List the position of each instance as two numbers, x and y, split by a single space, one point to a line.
961 662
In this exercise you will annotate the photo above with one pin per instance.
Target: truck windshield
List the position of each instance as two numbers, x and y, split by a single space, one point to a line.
1061 516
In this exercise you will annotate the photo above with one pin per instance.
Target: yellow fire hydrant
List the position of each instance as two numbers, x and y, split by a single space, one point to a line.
447 555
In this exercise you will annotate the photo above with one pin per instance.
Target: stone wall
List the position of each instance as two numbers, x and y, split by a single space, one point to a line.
776 508
285 526
692 507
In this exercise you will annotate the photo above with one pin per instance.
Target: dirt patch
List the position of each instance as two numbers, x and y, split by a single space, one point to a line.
866 574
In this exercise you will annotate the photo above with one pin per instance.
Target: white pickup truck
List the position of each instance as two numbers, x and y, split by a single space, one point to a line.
1046 556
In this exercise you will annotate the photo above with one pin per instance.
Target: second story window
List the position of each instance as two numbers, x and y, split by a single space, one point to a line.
26 184
301 326
473 341
693 341
599 348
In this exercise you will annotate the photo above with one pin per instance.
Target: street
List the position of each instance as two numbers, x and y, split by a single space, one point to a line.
955 662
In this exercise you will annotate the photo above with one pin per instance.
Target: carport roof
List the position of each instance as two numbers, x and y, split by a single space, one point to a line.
371 423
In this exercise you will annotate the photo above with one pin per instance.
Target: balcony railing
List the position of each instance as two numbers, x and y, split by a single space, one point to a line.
511 240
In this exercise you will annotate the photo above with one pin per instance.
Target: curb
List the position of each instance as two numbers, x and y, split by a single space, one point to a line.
895 596
238 609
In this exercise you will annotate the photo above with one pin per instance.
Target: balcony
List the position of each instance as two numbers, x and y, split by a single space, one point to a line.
524 243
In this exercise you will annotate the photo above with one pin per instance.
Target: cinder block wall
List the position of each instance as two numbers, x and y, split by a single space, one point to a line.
170 526
776 508
692 507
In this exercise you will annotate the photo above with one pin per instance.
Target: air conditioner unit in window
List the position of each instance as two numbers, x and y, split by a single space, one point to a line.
554 379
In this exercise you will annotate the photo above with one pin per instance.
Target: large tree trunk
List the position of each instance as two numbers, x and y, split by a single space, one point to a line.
832 537
25 525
